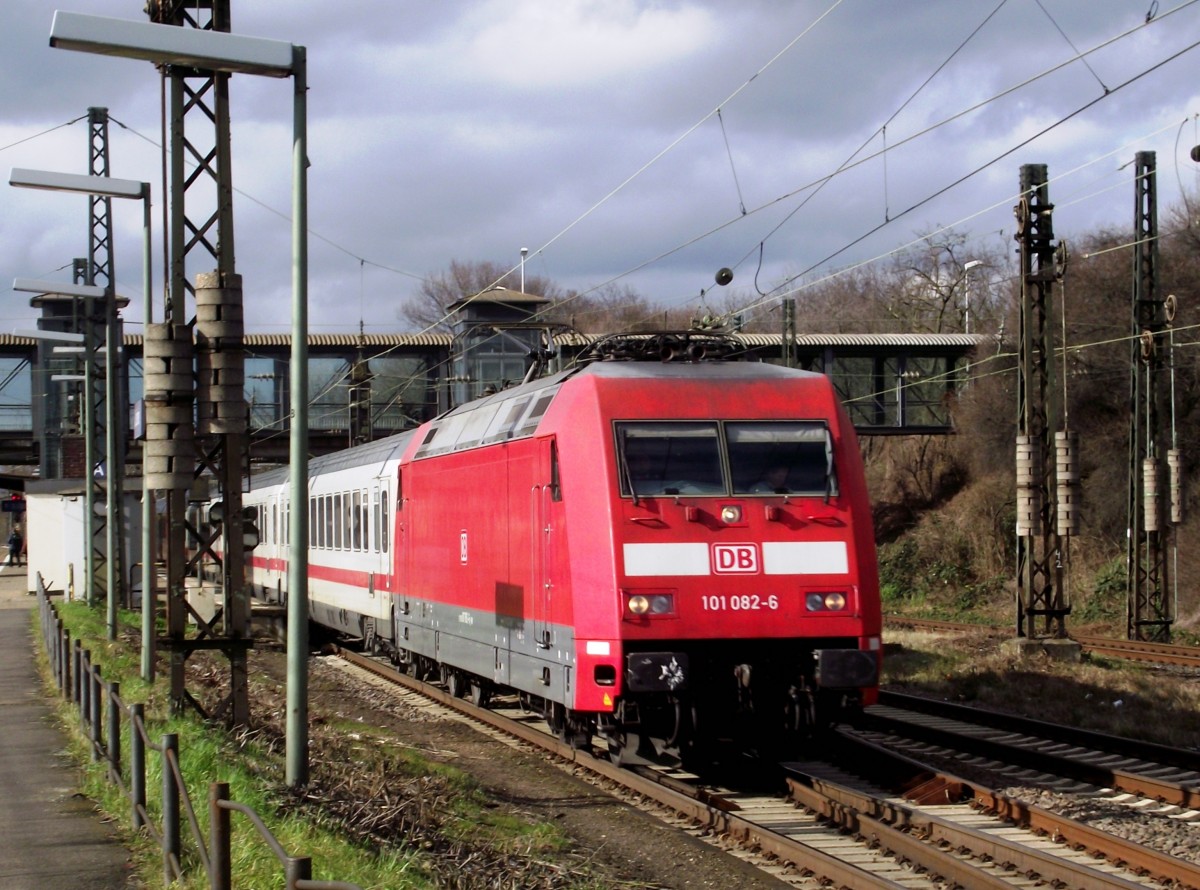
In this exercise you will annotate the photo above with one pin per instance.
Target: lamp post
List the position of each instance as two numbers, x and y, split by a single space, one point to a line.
108 187
235 54
967 267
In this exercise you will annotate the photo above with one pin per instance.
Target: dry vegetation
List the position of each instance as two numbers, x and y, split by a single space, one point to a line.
945 507
1142 702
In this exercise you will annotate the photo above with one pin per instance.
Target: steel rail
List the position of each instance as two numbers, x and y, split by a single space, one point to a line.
1140 650
1036 758
1134 650
924 784
1181 758
907 832
712 815
713 812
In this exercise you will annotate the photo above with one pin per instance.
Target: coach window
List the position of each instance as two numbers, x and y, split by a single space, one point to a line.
327 502
383 515
343 520
794 457
356 518
669 459
375 521
364 513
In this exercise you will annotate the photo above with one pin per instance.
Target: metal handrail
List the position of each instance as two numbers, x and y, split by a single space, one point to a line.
79 681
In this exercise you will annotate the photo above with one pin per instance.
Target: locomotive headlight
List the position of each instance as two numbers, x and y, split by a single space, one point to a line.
731 513
651 604
662 604
825 602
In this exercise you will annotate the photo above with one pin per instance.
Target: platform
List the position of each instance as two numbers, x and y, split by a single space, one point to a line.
51 838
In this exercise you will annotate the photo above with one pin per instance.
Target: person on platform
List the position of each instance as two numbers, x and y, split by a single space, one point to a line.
15 544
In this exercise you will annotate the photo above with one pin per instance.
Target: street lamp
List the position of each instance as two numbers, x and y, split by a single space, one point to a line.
234 54
967 267
108 187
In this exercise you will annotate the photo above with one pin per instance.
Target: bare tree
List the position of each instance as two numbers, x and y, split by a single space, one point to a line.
427 309
617 307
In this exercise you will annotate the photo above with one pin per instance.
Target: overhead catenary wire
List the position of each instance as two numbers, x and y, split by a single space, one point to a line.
362 260
845 167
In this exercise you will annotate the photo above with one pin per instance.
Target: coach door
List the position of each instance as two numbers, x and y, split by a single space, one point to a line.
272 534
381 528
547 515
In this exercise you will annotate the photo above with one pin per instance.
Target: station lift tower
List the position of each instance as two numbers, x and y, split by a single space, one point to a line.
178 449
1151 427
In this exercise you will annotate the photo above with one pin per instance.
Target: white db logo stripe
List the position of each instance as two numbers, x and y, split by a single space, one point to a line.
779 558
666 559
805 558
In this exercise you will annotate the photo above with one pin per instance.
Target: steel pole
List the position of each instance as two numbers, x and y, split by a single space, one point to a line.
89 459
148 596
113 511
297 594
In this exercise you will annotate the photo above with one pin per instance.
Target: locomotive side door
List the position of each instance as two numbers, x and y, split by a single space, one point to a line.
546 514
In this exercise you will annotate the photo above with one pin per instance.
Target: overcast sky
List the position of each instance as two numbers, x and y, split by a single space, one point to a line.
587 131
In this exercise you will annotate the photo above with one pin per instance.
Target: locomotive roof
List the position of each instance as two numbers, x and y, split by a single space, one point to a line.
379 452
695 370
713 370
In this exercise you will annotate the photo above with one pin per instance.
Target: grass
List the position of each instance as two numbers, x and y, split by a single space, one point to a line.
461 811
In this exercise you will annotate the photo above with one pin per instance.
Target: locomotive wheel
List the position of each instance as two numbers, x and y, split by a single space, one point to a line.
369 637
556 719
625 749
478 693
454 684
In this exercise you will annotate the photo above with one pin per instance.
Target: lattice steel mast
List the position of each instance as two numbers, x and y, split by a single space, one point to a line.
1149 603
104 454
1039 545
199 133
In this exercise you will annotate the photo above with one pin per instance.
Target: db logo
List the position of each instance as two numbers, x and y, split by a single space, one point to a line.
735 559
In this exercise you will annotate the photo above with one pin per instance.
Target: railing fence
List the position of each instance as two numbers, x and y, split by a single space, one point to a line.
103 714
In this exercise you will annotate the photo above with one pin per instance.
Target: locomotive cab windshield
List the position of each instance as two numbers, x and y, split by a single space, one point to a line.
721 458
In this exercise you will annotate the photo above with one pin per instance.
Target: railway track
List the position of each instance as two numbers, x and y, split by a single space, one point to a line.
829 827
1134 650
1141 789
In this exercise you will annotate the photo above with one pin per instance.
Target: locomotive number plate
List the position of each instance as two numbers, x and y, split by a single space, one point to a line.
744 602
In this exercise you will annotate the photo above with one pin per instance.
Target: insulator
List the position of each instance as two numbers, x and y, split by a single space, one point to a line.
1151 482
220 356
1067 484
1029 485
169 450
168 364
1175 480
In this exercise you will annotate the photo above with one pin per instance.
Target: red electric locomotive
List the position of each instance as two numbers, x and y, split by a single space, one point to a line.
674 556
